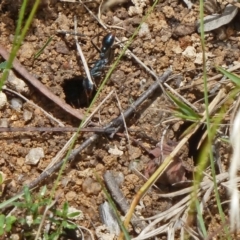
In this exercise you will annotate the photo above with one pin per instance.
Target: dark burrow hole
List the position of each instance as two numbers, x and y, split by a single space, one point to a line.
194 140
75 94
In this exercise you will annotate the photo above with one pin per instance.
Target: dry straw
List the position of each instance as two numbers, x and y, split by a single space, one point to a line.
235 165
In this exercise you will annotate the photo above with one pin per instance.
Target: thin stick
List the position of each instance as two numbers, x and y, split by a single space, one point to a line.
124 122
81 53
44 217
55 129
70 33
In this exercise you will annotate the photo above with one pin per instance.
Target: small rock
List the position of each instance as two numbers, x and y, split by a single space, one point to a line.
16 83
3 100
27 51
144 31
115 151
27 115
16 104
90 187
34 155
3 122
190 52
62 48
15 237
70 196
102 232
134 153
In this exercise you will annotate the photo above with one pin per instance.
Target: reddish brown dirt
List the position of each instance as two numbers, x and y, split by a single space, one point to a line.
160 48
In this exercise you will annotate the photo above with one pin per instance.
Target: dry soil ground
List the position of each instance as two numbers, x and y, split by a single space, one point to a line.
169 31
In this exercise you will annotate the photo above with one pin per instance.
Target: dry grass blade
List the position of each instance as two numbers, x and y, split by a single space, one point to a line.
235 165
81 53
179 211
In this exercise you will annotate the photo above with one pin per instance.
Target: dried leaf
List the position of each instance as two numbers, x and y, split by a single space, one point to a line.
215 21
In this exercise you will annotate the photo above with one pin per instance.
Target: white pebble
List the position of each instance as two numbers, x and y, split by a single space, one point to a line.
115 151
3 122
16 104
34 155
190 52
144 31
27 115
16 83
3 100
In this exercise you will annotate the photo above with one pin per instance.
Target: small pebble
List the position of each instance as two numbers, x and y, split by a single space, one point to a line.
70 196
27 115
3 122
115 151
17 84
3 100
34 155
144 31
90 187
15 237
16 104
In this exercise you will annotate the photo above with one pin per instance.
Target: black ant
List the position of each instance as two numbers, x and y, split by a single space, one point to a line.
99 66
73 88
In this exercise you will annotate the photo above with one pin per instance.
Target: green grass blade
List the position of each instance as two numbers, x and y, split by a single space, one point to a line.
183 110
233 77
18 39
43 47
201 220
114 208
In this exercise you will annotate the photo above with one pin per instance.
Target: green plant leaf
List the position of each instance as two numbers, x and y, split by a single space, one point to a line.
183 110
27 195
42 191
9 222
68 225
34 208
73 214
2 220
19 204
59 213
114 208
2 223
65 210
3 65
233 77
1 231
1 179
37 221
